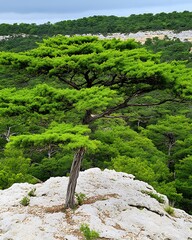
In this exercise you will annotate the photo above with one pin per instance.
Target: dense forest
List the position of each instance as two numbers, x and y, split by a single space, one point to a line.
105 24
118 104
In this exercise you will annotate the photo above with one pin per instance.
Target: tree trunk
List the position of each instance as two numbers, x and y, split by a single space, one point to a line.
74 173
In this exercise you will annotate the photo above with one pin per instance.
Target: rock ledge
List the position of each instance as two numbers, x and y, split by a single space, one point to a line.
117 206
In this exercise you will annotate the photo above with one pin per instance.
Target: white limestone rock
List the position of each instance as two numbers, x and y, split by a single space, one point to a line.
116 206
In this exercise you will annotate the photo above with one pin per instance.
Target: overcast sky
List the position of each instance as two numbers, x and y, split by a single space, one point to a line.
42 11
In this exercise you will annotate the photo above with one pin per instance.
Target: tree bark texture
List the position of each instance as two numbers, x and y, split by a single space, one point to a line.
74 174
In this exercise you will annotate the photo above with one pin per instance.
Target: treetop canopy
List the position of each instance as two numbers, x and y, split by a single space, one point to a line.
85 62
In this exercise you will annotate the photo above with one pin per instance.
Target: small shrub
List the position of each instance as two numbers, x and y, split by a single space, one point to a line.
88 233
32 193
80 198
25 201
169 210
154 195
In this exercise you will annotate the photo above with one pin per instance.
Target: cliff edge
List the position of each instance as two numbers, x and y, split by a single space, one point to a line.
114 204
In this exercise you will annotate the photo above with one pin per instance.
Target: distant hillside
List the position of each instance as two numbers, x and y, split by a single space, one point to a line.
105 24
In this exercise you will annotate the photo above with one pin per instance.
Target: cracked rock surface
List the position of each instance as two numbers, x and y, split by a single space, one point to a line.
116 205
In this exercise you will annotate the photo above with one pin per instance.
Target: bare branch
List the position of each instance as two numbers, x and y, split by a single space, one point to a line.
6 135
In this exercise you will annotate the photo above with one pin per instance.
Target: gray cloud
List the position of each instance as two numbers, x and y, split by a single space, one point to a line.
74 6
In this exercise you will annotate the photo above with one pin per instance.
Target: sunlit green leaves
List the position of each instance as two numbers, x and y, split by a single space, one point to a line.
95 98
68 135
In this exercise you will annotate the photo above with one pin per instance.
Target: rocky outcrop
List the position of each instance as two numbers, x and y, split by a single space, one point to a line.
142 36
116 205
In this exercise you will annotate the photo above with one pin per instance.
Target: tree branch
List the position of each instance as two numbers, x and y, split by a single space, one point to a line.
70 83
117 116
126 104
